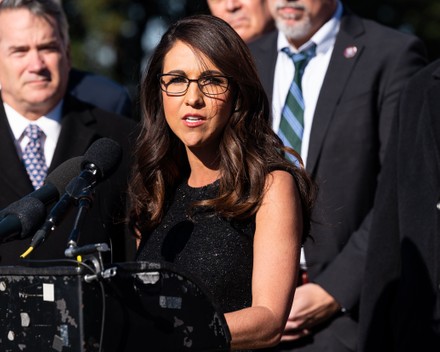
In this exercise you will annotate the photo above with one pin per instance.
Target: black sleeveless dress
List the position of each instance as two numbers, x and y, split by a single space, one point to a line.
215 251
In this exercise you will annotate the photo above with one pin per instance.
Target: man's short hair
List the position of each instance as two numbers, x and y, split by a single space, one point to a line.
48 9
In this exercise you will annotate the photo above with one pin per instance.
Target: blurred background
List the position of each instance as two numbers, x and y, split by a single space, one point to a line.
116 37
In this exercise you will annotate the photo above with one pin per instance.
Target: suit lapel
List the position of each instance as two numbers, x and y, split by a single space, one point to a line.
265 53
77 132
338 72
13 175
433 107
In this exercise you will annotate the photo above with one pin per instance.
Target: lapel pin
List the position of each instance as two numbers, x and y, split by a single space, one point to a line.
350 52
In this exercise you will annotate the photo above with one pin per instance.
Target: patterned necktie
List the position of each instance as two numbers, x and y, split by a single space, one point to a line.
292 116
33 156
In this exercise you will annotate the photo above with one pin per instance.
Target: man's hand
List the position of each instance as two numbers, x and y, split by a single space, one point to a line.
312 305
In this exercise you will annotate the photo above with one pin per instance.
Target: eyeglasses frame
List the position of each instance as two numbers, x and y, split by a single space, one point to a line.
160 75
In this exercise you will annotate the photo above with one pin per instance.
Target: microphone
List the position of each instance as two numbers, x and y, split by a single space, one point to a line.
20 219
99 161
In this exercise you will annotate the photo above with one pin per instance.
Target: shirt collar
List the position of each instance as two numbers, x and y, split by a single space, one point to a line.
49 123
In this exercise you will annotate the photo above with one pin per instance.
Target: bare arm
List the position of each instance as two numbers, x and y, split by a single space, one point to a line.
276 260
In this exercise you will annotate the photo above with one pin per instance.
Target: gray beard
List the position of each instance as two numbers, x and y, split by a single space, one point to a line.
297 32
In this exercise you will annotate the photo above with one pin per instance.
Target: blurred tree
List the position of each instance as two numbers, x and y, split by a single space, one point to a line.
95 28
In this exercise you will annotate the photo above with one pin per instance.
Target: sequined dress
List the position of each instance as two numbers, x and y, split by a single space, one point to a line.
217 252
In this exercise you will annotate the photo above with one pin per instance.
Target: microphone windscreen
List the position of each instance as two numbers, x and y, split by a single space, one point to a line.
64 173
26 210
105 154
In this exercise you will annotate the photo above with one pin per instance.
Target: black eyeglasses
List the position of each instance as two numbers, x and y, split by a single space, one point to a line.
210 85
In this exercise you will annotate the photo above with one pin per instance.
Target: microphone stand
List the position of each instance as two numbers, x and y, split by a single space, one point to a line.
84 203
79 190
84 200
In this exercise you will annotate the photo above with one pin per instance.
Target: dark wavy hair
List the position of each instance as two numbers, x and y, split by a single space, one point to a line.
249 149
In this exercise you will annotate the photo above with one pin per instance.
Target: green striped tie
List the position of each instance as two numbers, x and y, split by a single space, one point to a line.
292 116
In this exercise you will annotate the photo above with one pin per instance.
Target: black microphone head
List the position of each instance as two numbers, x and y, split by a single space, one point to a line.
26 210
64 173
105 154
22 217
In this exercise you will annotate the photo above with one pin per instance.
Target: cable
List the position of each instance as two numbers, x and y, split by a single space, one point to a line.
27 252
101 337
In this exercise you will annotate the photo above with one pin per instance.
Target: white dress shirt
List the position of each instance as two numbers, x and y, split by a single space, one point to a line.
312 78
50 124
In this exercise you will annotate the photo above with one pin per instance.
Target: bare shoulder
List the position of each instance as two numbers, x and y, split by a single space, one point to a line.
279 178
280 186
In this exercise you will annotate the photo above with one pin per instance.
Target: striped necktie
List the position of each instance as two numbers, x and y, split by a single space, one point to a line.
33 156
292 116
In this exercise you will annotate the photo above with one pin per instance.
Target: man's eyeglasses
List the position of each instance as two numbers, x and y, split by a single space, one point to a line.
210 85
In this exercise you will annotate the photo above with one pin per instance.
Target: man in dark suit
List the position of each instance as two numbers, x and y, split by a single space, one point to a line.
400 302
34 71
350 90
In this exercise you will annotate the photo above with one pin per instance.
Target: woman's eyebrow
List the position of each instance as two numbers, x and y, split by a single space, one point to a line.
204 73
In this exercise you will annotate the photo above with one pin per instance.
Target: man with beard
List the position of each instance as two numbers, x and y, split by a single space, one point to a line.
337 114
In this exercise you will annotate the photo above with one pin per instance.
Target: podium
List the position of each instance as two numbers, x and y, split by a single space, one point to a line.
133 306
48 309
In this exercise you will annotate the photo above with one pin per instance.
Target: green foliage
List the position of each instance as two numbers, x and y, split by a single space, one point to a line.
95 31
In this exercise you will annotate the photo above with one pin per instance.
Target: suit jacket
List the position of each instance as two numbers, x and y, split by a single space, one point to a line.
81 125
400 305
349 135
100 92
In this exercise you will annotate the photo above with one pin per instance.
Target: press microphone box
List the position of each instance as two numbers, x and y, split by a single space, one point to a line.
141 306
48 309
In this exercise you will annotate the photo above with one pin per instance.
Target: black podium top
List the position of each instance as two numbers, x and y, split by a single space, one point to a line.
146 304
